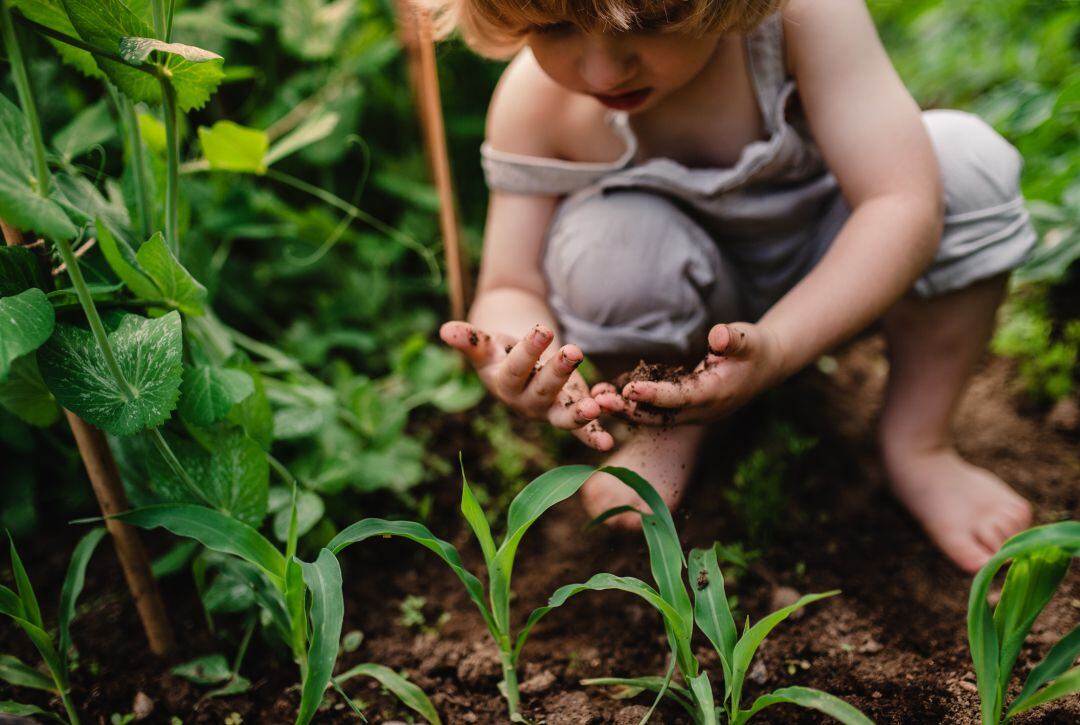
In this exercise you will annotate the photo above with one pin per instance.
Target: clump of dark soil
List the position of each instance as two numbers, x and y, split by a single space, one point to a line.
893 643
651 373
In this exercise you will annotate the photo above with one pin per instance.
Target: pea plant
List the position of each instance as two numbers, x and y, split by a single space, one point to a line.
494 605
303 601
711 613
21 606
1040 558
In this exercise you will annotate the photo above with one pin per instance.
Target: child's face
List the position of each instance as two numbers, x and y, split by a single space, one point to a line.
630 70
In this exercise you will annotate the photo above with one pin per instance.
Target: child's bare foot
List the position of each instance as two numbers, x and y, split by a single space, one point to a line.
967 511
662 456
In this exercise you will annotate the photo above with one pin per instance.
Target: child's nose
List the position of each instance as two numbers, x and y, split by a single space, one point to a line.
606 65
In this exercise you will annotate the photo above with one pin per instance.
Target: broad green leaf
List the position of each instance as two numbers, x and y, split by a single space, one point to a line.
313 29
147 352
309 511
1030 582
235 686
16 672
104 23
208 393
19 271
51 13
711 610
136 50
602 582
253 414
212 529
982 634
25 394
1057 660
10 707
73 586
410 695
369 528
229 146
703 698
323 580
91 127
633 686
26 322
208 670
177 286
1065 685
121 259
809 698
194 73
752 638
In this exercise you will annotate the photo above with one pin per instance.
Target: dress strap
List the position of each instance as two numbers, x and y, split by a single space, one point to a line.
765 56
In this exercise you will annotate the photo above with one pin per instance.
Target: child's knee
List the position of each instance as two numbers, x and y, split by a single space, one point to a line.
629 272
980 170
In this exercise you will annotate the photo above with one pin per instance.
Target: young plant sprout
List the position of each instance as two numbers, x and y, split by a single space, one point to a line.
23 609
536 498
711 613
313 630
1040 558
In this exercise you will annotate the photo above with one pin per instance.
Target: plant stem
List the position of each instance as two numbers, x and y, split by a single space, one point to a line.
26 97
174 463
157 7
169 19
73 716
510 682
138 161
172 175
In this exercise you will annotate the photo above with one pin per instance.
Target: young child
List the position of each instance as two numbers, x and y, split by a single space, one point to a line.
748 182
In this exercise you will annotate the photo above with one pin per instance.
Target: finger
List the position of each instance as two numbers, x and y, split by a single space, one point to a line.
568 413
601 388
640 413
520 363
475 343
685 393
554 374
593 435
731 340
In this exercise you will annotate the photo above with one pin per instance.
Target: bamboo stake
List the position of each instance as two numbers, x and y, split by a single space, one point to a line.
416 33
100 466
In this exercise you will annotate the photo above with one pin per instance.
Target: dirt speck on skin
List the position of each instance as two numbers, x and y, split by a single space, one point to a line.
508 348
474 339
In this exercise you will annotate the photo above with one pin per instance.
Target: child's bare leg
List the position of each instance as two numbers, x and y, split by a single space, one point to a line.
933 348
662 456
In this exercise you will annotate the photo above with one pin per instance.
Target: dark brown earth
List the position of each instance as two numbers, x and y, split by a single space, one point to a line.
894 643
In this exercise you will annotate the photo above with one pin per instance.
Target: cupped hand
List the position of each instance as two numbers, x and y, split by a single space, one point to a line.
743 359
537 385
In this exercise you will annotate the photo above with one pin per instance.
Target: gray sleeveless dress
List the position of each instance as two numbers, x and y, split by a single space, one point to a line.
686 248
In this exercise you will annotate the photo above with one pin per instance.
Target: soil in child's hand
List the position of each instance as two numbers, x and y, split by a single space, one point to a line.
651 373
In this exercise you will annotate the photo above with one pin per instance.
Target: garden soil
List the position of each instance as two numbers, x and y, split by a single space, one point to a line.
893 643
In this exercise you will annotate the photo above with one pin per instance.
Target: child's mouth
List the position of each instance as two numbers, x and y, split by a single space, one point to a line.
624 101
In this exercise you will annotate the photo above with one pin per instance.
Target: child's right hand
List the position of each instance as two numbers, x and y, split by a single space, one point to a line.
551 389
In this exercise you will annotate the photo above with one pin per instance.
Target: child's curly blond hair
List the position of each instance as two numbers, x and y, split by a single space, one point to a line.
497 28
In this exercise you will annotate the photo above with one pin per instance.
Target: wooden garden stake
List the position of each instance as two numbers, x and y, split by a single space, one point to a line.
416 34
100 466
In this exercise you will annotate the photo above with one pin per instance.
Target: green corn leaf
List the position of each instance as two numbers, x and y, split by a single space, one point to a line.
369 528
633 686
410 695
16 672
323 580
73 586
208 393
212 529
51 14
20 203
178 287
121 259
104 23
309 511
1065 685
32 611
147 351
91 127
44 645
25 394
19 271
752 638
229 146
26 322
19 709
538 496
10 604
596 583
1030 582
474 515
1057 660
703 698
982 634
266 594
809 698
711 610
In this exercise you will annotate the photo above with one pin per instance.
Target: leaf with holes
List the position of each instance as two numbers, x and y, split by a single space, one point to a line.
148 353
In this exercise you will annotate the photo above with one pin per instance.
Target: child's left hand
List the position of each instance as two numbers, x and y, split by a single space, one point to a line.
743 360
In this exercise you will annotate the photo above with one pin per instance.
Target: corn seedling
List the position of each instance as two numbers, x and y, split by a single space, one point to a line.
536 498
22 607
304 601
1040 558
711 613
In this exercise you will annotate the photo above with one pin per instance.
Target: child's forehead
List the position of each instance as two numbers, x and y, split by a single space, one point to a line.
593 14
